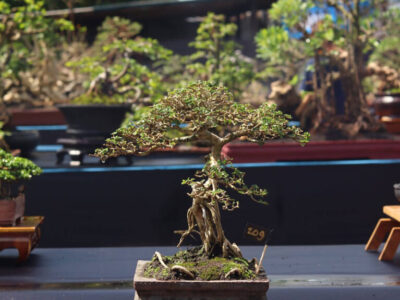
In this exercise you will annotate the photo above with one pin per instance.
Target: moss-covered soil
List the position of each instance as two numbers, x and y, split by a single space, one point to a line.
202 267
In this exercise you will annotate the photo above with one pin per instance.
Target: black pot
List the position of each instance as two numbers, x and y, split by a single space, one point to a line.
26 141
93 120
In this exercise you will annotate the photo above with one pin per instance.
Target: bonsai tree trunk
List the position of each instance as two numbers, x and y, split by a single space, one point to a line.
356 108
205 214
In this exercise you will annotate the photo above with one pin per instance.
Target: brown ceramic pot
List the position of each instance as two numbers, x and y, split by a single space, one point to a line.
11 210
153 289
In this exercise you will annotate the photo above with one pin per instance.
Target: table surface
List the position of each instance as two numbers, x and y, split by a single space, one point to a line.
322 272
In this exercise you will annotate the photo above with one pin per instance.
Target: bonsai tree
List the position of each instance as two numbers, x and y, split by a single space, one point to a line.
218 57
26 37
334 49
204 110
384 62
13 170
119 65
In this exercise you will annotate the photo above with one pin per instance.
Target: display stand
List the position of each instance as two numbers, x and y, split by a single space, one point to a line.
24 236
383 227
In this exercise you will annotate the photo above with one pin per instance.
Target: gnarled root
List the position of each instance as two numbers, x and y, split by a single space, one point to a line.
159 257
183 270
206 218
233 272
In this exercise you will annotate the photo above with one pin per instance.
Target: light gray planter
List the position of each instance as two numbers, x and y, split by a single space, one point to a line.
153 289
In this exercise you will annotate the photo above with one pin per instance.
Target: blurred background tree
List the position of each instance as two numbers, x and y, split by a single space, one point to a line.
120 65
27 42
333 41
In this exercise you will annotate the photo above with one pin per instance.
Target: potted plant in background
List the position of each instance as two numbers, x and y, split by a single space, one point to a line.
218 57
13 171
321 48
384 64
335 53
26 59
120 76
208 112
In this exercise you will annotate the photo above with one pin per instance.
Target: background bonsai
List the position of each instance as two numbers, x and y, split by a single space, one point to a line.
28 73
335 49
205 111
13 170
217 58
120 67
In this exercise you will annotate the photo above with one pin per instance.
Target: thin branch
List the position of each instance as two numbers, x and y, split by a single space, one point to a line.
121 74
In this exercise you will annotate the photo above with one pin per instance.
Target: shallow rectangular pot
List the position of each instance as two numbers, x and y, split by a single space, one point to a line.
153 289
11 210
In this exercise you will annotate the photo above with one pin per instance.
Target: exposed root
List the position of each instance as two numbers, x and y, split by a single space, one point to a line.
159 257
237 249
233 272
261 259
183 270
254 261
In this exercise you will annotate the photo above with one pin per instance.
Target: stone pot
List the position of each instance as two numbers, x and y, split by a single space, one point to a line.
153 289
397 190
11 210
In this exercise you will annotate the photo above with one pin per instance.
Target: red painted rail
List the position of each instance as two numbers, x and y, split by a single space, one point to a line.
318 150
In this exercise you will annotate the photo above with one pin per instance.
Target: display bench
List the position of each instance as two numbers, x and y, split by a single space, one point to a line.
296 272
386 226
24 236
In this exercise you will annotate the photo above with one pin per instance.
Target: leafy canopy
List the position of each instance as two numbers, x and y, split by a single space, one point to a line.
120 65
21 27
218 57
16 168
202 110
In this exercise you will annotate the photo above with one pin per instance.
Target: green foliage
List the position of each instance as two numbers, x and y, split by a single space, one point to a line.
333 50
291 12
16 168
283 55
88 99
387 52
21 27
25 36
120 65
218 57
204 108
203 268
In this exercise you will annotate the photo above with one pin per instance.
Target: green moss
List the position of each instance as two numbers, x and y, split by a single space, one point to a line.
202 267
212 272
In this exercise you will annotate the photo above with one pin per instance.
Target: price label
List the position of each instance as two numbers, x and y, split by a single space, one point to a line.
256 232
